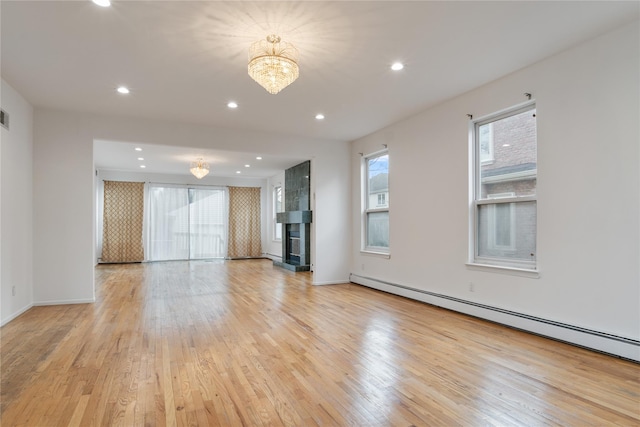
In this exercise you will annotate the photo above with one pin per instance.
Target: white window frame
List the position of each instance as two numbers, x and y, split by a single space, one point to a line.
276 226
366 210
476 201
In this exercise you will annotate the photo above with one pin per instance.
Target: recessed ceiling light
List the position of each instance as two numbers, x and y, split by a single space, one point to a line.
397 66
258 158
140 158
123 90
138 149
247 166
142 166
232 104
102 3
238 172
319 116
506 145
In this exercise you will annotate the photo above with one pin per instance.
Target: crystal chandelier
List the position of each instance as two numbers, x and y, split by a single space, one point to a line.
273 63
199 168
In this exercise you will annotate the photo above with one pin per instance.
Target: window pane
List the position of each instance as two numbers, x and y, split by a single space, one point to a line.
507 230
378 182
502 222
277 199
277 207
207 229
378 229
508 155
485 142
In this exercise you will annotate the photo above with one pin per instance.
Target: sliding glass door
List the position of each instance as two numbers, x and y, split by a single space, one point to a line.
207 223
186 223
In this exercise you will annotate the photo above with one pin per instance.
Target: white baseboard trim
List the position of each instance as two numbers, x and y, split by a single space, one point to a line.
65 302
16 314
330 282
273 257
615 345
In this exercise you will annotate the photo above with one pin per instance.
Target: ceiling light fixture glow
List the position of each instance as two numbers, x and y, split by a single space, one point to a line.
319 116
258 158
199 168
232 104
142 166
397 66
123 90
140 158
102 3
273 64
138 149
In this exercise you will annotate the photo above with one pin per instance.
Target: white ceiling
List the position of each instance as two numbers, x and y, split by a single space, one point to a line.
122 156
184 60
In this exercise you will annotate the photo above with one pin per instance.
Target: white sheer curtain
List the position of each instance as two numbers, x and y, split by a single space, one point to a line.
168 223
207 223
186 223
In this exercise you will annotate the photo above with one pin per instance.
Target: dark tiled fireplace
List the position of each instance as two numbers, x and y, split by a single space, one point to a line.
296 220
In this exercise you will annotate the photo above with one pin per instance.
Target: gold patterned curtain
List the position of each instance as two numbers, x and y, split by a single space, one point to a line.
245 237
123 216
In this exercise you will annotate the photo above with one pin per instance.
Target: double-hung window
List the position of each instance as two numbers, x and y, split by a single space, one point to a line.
375 219
504 205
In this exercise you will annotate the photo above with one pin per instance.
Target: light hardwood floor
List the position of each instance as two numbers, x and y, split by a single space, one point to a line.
244 343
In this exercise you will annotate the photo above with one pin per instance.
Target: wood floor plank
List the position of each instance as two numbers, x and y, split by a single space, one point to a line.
242 343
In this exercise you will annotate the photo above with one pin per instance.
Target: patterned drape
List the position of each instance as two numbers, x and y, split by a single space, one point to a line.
123 216
245 237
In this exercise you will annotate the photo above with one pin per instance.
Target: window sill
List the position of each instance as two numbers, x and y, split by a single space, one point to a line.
515 271
376 254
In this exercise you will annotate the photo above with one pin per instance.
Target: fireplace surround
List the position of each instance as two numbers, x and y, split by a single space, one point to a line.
296 219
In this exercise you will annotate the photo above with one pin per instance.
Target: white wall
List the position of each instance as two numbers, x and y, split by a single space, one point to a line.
588 193
63 209
64 206
331 203
16 189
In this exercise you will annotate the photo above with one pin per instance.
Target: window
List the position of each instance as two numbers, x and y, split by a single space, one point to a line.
277 207
376 203
504 148
187 223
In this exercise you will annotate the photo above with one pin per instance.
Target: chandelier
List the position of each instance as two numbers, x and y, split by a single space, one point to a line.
199 168
273 63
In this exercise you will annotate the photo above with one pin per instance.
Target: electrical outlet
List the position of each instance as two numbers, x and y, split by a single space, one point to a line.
13 291
472 287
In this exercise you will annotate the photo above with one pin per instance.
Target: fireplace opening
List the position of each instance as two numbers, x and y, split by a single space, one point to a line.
294 241
295 246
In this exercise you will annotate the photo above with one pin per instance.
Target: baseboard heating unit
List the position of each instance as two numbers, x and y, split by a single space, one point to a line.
614 345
